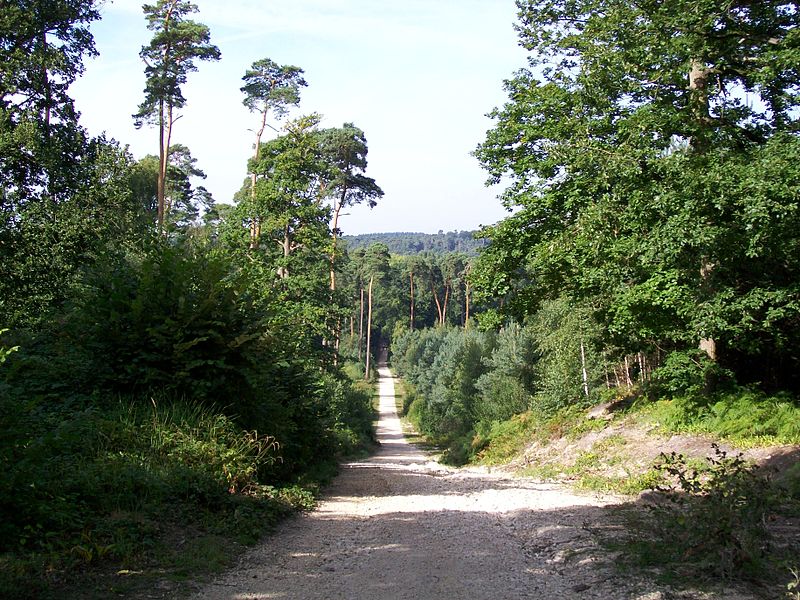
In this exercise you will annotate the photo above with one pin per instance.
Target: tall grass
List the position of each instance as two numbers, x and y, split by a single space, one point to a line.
111 483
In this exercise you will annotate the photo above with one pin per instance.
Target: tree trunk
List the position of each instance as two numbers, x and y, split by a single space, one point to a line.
411 279
286 246
466 303
628 379
334 233
698 92
254 220
698 89
369 327
48 92
255 223
162 167
583 369
361 325
444 305
168 206
707 345
337 341
332 257
440 320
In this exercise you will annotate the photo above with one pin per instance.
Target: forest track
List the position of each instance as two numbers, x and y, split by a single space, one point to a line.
400 525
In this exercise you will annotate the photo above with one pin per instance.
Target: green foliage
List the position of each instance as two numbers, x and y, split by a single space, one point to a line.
687 373
645 190
744 417
629 485
565 337
497 442
352 415
167 320
793 587
445 365
170 56
176 321
98 214
44 45
6 352
152 384
344 150
467 382
102 484
717 515
407 244
508 385
270 86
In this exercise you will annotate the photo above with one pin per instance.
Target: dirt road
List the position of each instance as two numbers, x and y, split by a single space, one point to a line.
399 525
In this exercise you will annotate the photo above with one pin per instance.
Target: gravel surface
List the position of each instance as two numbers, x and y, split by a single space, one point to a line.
400 525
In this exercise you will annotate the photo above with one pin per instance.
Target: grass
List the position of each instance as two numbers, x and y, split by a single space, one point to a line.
745 419
112 500
499 442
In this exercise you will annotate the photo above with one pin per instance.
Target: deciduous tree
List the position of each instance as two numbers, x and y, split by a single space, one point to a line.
628 146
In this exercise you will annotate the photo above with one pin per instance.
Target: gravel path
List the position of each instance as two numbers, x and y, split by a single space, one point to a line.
400 525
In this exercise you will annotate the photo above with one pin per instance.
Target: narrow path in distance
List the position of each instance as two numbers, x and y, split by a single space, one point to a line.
399 525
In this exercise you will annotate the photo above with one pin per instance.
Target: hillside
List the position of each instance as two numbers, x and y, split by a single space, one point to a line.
405 243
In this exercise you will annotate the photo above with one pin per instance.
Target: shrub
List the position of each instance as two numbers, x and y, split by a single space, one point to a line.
688 373
717 514
560 329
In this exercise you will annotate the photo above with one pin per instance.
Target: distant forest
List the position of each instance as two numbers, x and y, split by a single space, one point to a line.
407 243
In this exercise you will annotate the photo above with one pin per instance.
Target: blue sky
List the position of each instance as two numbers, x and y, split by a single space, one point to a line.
417 76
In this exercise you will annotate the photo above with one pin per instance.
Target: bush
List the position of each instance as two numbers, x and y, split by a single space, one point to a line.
508 385
560 329
62 478
717 516
688 373
742 416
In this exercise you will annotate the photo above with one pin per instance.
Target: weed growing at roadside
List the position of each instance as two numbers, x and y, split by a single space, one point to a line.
130 485
744 418
714 521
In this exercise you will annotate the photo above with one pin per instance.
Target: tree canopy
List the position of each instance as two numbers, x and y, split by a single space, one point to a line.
636 146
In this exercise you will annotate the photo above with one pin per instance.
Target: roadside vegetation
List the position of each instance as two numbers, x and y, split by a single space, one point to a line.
176 375
650 266
170 385
699 509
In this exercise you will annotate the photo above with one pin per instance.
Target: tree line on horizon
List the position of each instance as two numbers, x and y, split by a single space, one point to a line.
406 243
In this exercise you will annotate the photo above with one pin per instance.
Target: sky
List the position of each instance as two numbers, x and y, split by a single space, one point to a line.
418 76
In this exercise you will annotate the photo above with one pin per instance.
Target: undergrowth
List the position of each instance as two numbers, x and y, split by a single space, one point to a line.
712 521
744 418
162 489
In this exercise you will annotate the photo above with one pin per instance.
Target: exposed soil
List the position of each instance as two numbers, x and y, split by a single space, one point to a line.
400 525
